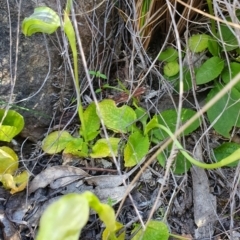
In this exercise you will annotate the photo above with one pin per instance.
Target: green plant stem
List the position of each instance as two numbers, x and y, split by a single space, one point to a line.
70 33
144 11
106 86
210 8
235 156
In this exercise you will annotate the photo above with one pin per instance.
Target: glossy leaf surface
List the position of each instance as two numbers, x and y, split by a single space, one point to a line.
10 125
43 20
8 160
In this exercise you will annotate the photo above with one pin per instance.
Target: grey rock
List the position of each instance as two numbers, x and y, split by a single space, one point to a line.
26 68
28 65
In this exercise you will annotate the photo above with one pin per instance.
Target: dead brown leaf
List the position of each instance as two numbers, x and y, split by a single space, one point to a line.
57 176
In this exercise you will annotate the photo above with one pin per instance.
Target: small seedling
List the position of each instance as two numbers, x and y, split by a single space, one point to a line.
98 74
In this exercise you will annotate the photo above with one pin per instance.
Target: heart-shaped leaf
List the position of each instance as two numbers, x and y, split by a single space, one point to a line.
168 118
117 119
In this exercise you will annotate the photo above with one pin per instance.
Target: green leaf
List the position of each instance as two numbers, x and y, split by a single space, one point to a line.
70 32
16 183
117 119
181 164
225 110
136 148
8 160
209 70
170 69
168 118
230 72
142 115
187 81
228 37
155 230
55 142
168 55
107 235
225 150
104 211
153 123
102 149
92 122
213 46
10 125
43 20
65 218
161 157
76 147
93 73
101 75
198 43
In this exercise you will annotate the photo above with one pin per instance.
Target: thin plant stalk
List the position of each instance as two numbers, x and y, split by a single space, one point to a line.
69 31
210 8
